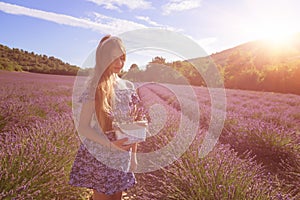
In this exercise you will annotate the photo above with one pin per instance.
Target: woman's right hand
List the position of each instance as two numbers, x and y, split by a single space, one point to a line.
119 144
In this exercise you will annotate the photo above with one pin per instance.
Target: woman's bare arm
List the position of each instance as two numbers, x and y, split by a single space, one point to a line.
84 127
87 131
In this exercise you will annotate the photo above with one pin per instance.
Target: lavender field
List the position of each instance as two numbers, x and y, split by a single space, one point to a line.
257 155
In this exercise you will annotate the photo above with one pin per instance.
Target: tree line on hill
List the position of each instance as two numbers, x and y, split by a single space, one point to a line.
262 73
240 71
258 65
19 60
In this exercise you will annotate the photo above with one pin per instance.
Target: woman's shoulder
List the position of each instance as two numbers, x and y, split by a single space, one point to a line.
123 84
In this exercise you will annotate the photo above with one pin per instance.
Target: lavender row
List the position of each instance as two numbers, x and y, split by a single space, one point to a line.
228 176
257 157
37 136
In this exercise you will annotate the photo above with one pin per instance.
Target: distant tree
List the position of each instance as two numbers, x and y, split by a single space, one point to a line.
158 60
133 74
134 67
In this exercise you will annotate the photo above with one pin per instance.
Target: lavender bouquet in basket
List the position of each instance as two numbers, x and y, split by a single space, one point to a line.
129 119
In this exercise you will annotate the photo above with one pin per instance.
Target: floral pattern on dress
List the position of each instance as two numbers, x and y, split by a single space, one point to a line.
88 172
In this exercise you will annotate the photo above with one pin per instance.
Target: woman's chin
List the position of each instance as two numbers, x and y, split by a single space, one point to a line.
117 70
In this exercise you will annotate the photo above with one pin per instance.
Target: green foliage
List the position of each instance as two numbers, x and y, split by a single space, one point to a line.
252 66
256 72
158 70
6 64
20 60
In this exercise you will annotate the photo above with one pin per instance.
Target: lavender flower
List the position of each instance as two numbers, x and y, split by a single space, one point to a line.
257 156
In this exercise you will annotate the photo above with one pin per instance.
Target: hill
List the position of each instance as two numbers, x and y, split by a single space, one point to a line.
257 65
260 65
19 60
264 51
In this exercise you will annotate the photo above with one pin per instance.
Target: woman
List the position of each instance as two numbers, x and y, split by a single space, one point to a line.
104 163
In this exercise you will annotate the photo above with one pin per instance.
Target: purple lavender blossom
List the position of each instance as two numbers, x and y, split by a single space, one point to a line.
257 156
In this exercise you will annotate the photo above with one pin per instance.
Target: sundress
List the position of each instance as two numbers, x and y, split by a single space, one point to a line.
98 167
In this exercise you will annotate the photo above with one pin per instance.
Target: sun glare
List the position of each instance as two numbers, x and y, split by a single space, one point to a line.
275 34
272 21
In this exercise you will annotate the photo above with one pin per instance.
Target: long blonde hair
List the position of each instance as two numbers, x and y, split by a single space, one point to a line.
109 49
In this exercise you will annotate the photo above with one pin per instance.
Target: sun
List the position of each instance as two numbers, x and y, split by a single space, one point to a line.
271 21
274 33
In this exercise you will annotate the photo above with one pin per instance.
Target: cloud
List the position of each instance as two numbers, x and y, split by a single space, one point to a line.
118 24
155 24
103 24
180 5
148 20
116 4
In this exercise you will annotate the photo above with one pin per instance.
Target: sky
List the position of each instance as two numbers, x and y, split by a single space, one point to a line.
71 29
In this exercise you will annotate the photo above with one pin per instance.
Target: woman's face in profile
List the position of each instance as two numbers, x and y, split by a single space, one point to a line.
117 65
